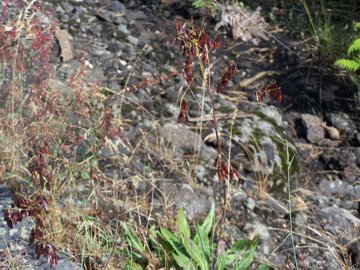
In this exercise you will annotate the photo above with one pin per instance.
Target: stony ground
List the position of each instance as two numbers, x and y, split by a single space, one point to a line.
316 126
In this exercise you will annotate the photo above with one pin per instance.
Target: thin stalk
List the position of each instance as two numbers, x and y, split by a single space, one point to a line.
289 163
218 139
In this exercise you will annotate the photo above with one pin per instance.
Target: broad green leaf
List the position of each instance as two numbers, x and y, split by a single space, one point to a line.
263 267
134 241
247 258
184 262
196 254
155 243
221 262
231 257
201 239
184 228
208 222
133 266
240 245
171 239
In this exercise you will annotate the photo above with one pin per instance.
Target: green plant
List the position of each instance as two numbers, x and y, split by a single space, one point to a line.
329 25
184 250
352 64
209 4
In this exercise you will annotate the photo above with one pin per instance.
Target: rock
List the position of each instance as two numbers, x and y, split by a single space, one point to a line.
15 241
310 127
250 204
266 138
332 133
136 15
343 123
195 202
257 228
63 264
337 187
339 221
63 38
133 40
186 141
68 8
116 6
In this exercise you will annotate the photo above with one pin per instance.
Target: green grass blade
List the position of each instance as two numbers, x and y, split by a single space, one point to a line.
196 254
184 228
209 220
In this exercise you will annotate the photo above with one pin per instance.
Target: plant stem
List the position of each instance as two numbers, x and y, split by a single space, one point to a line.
289 163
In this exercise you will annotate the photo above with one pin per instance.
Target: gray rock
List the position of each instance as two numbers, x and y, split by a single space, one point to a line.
269 143
337 220
63 264
257 228
311 126
116 6
68 8
136 15
336 187
343 123
195 202
186 141
133 40
250 204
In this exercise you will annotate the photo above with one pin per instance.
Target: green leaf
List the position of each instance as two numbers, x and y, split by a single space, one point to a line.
133 266
85 175
208 222
171 239
133 240
354 47
184 228
155 243
184 262
221 261
263 267
202 3
348 64
357 26
196 254
201 239
248 257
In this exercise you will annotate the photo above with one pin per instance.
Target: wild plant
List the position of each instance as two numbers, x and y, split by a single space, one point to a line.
196 47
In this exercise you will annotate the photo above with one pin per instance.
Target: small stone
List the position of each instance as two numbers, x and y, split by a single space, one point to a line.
333 133
310 127
13 232
133 40
250 204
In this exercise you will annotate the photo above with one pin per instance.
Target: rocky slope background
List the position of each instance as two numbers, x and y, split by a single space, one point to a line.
297 159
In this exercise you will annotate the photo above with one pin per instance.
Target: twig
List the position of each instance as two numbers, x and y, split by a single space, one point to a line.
220 116
245 83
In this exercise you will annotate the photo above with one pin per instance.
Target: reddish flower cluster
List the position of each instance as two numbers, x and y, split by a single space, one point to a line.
188 72
228 74
37 167
151 82
184 108
194 44
34 60
35 208
270 90
23 207
48 250
224 172
106 127
72 138
77 80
